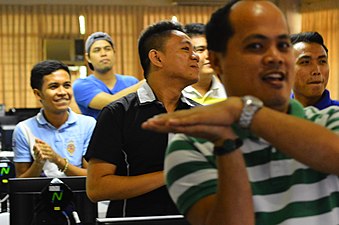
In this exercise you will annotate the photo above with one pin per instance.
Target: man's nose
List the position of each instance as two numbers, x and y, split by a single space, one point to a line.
62 91
195 56
316 70
273 57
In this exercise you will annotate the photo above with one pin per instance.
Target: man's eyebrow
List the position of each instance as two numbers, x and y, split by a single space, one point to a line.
102 46
322 56
200 46
255 36
186 42
56 82
304 57
310 57
284 36
263 37
52 83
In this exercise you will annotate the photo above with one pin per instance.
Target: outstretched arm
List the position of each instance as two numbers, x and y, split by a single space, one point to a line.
204 122
303 140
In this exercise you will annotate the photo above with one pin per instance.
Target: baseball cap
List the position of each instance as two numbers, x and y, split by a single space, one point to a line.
96 37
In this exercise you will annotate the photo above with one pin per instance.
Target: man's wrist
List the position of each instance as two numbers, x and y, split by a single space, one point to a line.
235 108
65 167
228 146
40 163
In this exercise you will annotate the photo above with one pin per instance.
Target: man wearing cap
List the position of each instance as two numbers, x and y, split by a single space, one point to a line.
104 85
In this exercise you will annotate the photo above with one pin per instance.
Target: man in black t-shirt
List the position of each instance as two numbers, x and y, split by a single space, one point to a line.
125 161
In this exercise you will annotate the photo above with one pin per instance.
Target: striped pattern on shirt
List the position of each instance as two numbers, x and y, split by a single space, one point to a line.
285 191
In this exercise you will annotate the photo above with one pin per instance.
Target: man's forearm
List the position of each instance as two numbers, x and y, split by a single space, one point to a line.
102 99
303 140
234 196
232 204
33 170
121 187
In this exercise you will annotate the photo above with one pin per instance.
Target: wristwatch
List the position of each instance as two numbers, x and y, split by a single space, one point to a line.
251 106
228 146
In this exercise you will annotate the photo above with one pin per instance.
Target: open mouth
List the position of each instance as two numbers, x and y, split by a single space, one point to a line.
274 77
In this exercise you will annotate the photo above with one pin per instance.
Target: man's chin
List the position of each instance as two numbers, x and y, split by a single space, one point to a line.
278 103
62 109
103 70
207 71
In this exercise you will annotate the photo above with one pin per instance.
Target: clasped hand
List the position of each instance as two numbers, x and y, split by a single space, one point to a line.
42 152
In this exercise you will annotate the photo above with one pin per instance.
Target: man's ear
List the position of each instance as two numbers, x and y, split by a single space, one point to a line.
87 58
155 58
37 94
215 62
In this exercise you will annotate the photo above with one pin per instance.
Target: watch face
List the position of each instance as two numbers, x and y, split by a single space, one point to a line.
251 106
252 101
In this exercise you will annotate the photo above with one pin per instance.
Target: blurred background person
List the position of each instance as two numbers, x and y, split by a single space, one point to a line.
104 85
311 70
208 89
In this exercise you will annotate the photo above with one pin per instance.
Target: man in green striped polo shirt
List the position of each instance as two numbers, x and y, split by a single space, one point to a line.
257 157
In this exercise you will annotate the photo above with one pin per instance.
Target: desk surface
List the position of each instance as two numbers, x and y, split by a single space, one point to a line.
8 154
164 220
4 218
102 207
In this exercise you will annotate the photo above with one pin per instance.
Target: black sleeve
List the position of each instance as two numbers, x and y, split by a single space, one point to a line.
106 140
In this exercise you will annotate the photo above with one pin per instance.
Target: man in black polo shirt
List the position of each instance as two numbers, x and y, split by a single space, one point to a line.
125 161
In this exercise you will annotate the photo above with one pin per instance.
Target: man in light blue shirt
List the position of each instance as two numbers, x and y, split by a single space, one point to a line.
53 142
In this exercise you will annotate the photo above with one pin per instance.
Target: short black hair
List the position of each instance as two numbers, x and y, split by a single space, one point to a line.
44 68
308 37
154 37
195 29
219 29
